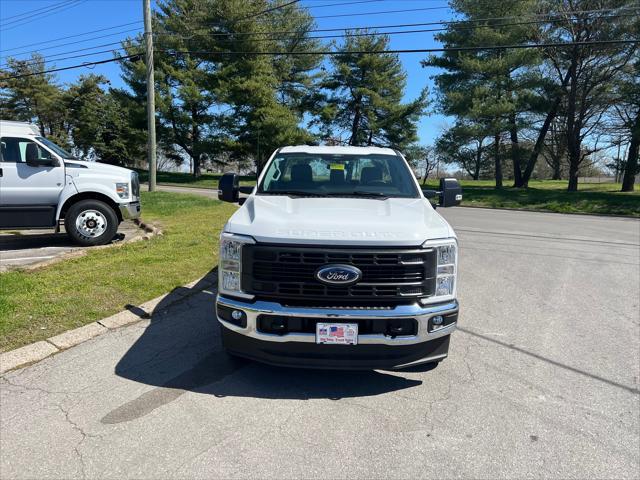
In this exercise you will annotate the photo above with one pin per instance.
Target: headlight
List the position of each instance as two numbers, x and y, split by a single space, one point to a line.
230 268
122 189
446 269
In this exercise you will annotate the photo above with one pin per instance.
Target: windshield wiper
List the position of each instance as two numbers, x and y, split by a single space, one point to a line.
294 193
359 193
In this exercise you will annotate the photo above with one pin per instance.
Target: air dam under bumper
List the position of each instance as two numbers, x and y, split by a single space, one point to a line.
243 337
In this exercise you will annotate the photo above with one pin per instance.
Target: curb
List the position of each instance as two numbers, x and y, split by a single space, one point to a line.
151 230
35 352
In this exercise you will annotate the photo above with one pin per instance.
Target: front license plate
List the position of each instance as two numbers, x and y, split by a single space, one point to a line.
337 333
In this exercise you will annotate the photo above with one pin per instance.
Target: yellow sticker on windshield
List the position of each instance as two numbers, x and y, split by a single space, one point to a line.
336 166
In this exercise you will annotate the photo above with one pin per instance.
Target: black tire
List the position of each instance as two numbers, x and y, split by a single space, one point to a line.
100 226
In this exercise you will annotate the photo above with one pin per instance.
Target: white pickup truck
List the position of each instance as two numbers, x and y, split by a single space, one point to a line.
42 184
337 259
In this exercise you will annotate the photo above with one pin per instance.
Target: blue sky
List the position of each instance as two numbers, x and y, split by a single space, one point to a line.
80 16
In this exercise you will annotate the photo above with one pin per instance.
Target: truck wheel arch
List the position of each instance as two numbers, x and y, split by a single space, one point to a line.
89 196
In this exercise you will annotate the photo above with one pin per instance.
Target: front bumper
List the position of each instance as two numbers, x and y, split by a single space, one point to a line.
130 210
377 350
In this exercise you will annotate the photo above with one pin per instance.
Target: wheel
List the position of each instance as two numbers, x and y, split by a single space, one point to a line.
91 222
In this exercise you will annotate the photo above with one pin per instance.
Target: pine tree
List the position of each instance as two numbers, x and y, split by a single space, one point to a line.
363 105
495 90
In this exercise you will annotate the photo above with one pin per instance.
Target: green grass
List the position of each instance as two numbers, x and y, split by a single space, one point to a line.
545 195
552 196
38 304
206 180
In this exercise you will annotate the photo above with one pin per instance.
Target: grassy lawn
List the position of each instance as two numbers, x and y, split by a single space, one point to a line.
41 303
206 180
552 196
547 195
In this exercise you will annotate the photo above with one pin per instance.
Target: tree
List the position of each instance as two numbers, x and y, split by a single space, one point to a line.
85 102
467 146
422 159
555 148
586 74
364 93
121 140
34 98
185 97
627 108
496 89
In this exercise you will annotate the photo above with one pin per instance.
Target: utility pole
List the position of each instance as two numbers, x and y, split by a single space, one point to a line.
151 94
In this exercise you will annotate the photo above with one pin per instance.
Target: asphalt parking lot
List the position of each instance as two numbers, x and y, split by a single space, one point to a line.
33 247
542 381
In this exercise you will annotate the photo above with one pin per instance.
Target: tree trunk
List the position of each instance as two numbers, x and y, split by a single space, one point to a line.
575 158
631 169
196 166
556 169
476 170
573 178
515 151
355 127
542 134
498 162
573 128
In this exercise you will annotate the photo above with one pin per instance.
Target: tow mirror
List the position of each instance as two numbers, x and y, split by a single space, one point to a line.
450 192
428 193
41 162
228 189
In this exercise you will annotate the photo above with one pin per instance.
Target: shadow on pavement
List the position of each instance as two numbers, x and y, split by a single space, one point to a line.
181 351
34 240
42 240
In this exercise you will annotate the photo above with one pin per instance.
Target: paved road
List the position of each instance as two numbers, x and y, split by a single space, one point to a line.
542 381
32 247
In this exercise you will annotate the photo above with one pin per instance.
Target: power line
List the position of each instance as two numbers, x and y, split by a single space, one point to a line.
359 14
69 36
343 3
73 43
357 34
398 25
416 50
32 62
355 52
86 64
464 22
269 10
30 12
52 11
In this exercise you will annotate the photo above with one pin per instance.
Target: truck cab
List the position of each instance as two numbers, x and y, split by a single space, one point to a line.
337 259
41 185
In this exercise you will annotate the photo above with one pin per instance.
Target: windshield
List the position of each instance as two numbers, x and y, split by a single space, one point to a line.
308 174
58 151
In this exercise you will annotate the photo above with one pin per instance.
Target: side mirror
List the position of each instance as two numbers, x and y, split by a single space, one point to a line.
428 193
41 162
450 192
228 190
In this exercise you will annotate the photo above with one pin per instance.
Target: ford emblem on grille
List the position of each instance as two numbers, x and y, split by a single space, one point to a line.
338 274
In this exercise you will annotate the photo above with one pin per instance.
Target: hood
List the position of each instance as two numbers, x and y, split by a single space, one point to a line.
339 221
80 168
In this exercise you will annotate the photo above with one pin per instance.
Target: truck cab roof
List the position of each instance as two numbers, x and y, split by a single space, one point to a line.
337 150
8 127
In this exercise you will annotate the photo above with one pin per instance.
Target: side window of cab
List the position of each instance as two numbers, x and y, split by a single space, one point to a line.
19 150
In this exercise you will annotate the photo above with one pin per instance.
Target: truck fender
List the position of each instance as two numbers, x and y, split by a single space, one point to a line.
92 190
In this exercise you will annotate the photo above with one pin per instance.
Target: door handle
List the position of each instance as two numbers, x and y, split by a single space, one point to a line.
0 172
